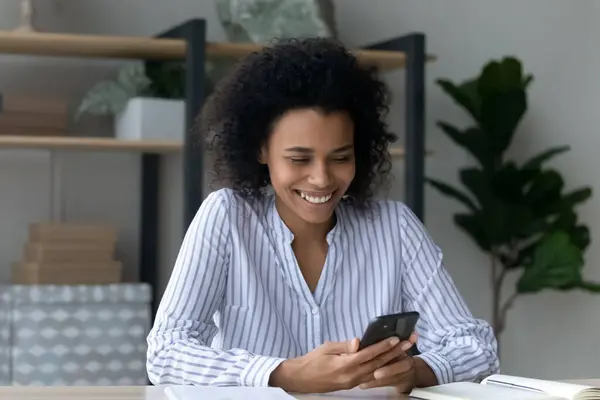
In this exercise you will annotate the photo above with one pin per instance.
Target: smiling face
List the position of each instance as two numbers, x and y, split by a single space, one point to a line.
310 156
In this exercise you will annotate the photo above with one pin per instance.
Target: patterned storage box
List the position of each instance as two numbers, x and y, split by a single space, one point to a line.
79 335
5 361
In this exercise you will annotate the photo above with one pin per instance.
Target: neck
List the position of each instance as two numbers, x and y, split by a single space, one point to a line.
300 228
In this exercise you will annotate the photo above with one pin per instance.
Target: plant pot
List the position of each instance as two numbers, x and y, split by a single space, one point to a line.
145 118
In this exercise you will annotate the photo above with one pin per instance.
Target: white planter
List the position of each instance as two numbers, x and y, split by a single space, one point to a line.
151 119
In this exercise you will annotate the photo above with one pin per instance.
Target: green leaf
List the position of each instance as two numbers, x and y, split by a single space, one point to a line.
503 101
474 179
449 191
105 98
590 287
470 89
565 221
472 140
463 98
133 80
474 226
556 264
509 182
110 97
545 191
580 236
537 161
167 79
501 113
578 196
526 254
504 76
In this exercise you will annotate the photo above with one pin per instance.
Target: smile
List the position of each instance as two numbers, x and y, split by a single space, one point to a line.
315 199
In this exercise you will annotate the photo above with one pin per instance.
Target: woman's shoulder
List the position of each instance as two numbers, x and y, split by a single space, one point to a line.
379 210
393 216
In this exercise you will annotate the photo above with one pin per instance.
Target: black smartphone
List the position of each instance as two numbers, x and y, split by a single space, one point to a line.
401 325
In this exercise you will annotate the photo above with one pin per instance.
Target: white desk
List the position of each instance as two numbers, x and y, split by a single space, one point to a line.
152 393
157 393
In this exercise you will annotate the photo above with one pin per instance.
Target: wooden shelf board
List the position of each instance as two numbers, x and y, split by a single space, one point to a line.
88 143
131 47
107 144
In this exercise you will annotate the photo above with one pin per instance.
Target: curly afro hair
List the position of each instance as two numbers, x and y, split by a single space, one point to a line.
300 73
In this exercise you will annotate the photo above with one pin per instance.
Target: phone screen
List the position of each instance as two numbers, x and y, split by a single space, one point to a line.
400 325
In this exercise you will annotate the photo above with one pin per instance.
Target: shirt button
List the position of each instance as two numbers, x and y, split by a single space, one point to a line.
315 311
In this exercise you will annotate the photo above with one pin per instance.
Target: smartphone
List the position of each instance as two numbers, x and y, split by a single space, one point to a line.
401 325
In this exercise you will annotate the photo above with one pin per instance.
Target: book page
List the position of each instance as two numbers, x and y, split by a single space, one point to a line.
562 389
225 393
475 391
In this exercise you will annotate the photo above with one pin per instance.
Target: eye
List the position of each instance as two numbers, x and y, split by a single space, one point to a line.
342 159
299 160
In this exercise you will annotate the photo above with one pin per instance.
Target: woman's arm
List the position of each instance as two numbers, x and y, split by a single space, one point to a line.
179 349
455 345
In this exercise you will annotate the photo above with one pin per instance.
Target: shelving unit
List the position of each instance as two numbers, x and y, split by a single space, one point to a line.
100 46
187 42
105 144
89 144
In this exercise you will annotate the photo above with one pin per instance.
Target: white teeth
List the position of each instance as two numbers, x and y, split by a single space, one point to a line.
316 200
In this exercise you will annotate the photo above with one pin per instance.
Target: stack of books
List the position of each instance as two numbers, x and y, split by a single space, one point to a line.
68 254
33 115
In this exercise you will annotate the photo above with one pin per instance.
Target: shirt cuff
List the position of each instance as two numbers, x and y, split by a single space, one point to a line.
258 371
440 365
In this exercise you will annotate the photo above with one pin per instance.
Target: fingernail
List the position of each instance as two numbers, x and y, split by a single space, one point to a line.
394 341
378 374
362 386
406 346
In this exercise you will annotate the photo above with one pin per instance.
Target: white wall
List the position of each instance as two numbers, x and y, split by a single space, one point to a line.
549 335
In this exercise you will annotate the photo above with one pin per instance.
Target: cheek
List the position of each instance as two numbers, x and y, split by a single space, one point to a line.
346 173
283 175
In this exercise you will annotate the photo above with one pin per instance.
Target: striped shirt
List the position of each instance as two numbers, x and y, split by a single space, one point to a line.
237 304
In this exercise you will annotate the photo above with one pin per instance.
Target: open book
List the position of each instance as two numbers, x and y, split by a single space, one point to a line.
506 387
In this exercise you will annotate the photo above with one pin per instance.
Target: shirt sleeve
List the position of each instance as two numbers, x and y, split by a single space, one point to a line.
457 346
179 349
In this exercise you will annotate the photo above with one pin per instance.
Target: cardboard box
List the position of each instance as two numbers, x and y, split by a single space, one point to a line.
68 253
67 273
50 232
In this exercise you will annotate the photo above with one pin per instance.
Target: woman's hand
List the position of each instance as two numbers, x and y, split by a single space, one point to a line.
334 366
404 373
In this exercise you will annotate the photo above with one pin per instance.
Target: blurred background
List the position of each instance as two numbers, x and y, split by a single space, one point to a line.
72 308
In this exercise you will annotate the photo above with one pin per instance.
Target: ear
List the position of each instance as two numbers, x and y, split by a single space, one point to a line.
262 155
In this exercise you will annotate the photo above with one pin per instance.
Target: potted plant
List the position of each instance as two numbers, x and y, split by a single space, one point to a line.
146 101
517 213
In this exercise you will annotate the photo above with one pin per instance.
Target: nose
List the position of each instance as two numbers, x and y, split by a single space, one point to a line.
320 176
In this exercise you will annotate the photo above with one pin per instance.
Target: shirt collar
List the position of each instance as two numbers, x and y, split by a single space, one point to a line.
282 230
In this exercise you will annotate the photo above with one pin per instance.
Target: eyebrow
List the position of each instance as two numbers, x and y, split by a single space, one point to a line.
307 150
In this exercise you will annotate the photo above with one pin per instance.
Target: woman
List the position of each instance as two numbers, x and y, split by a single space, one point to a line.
279 275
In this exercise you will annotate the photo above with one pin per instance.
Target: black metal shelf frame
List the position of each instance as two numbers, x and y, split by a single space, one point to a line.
194 34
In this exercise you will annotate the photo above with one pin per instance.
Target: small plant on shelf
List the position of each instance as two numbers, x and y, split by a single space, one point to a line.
154 80
158 80
519 214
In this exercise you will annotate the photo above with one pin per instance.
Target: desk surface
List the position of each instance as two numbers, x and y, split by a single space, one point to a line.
151 393
157 393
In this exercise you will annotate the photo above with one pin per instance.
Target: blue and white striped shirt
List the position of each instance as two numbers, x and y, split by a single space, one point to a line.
237 304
